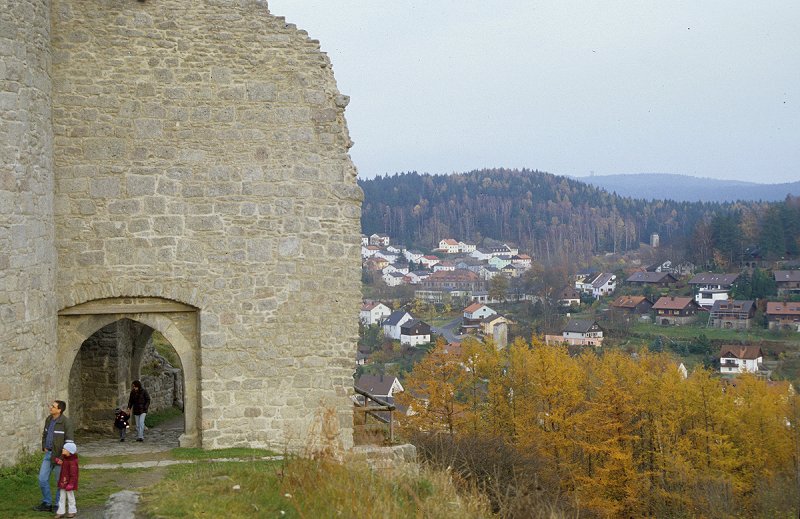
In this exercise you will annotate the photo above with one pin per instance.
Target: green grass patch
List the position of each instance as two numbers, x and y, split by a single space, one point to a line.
20 488
158 417
209 490
183 453
303 488
165 349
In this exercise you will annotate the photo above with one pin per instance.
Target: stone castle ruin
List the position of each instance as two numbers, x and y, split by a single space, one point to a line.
178 166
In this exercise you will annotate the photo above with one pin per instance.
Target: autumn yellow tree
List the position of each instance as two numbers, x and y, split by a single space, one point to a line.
547 387
434 392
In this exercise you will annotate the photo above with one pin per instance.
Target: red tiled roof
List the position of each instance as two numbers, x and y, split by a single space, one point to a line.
473 307
628 301
781 308
741 352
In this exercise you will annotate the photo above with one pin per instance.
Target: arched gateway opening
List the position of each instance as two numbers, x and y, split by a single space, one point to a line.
105 344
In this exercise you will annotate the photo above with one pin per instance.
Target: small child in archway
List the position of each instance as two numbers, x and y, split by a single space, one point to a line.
68 480
121 422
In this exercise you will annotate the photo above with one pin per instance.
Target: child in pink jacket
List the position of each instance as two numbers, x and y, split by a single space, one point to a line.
68 480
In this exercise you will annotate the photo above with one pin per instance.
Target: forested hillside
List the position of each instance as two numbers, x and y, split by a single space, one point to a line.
557 217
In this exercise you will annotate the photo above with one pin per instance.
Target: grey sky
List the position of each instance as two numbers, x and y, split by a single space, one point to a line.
703 88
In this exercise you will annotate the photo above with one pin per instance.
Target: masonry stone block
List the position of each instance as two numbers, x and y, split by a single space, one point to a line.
200 171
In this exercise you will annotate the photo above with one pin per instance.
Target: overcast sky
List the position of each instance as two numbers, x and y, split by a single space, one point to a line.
703 88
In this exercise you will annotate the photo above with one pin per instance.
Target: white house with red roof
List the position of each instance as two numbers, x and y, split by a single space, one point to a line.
449 245
477 311
735 358
374 312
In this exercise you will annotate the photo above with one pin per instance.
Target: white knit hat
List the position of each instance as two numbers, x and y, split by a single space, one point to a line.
70 446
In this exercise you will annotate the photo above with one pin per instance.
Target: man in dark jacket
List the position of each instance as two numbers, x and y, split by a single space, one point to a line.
138 404
57 430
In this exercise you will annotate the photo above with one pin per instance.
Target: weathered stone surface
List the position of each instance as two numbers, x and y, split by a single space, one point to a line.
205 170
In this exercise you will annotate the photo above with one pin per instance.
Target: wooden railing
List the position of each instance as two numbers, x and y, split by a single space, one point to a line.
376 409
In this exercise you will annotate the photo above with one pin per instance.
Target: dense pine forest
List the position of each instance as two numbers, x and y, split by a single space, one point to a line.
556 217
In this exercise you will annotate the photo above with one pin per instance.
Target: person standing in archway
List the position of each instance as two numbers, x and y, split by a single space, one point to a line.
138 403
57 430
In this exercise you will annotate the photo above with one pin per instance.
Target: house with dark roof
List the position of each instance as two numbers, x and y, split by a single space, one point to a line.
381 386
732 314
712 287
391 325
787 282
675 310
783 315
736 358
599 284
415 332
569 296
654 279
578 332
632 305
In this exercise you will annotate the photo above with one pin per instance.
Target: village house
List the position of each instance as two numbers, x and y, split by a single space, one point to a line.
522 260
469 263
675 310
498 262
429 261
496 327
472 316
569 296
487 272
732 314
481 254
381 240
413 256
449 245
392 323
740 359
578 332
373 313
393 278
477 311
631 305
512 271
381 386
385 254
416 277
712 287
376 264
415 332
503 251
369 250
787 282
654 279
445 265
783 315
403 269
599 284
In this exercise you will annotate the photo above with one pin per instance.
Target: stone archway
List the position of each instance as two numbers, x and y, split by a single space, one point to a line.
177 322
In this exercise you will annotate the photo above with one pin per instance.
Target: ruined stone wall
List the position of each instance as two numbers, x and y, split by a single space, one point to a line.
201 156
163 382
27 252
102 365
